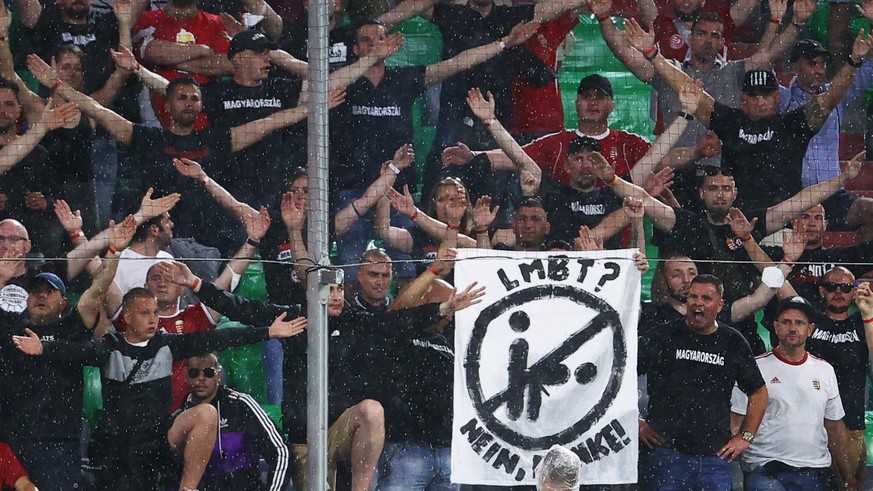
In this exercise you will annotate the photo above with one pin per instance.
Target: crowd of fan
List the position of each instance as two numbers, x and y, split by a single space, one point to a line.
182 126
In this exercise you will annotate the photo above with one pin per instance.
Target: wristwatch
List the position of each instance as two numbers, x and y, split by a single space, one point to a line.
748 436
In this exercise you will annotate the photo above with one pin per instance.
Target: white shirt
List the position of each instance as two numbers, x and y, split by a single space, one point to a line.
801 396
134 267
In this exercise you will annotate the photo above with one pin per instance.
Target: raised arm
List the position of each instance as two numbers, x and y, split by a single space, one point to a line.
49 119
345 218
194 170
438 72
864 302
547 10
483 108
780 214
772 50
271 23
396 237
818 110
294 217
644 42
28 11
125 60
407 9
248 134
406 205
92 302
661 215
256 227
124 11
120 128
344 76
619 44
413 293
30 102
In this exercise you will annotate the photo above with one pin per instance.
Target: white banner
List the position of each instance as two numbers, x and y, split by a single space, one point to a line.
548 357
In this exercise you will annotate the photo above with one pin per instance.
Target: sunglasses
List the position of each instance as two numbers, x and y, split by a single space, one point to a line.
208 372
831 287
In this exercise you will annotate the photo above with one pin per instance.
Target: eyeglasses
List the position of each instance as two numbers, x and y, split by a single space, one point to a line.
831 287
12 239
208 372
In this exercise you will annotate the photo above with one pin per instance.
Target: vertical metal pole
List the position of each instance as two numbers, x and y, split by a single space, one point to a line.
317 289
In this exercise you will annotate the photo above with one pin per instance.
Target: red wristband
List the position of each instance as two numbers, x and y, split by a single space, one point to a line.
650 53
57 85
414 215
453 227
601 19
613 181
481 230
488 122
775 21
77 234
111 251
196 284
868 321
434 271
746 238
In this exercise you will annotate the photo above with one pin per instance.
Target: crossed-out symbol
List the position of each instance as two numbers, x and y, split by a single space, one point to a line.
548 370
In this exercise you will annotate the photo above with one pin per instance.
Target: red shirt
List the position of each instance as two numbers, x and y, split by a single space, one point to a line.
195 318
200 28
540 109
10 468
670 42
620 148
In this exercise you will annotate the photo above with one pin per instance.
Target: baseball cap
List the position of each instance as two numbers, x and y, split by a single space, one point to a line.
249 39
598 82
53 281
807 48
798 303
760 80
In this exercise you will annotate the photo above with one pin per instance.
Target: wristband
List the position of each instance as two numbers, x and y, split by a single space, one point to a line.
393 168
111 251
254 243
434 271
197 283
205 180
488 122
2 38
613 181
798 25
686 116
852 62
501 44
786 261
774 20
601 19
77 234
746 238
453 227
57 85
355 209
651 53
868 321
481 230
414 215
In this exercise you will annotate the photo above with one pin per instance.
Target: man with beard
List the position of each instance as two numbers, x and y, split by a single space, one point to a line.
709 235
839 339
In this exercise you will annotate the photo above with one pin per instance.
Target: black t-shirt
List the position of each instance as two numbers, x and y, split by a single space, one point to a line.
765 156
695 237
295 41
70 152
283 285
568 209
41 399
653 315
196 215
32 173
690 379
844 345
261 170
372 124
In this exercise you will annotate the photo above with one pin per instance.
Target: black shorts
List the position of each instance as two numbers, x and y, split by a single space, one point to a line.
143 461
836 209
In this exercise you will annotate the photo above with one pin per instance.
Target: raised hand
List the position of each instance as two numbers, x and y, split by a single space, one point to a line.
585 241
54 116
257 224
865 8
70 220
445 261
293 211
803 9
402 202
482 107
483 215
150 208
336 97
285 329
633 208
44 73
123 10
404 156
794 245
689 95
638 37
740 225
121 234
459 154
602 169
460 301
5 20
124 59
778 9
660 181
29 343
709 145
35 200
521 33
640 262
530 183
853 167
190 168
864 300
389 47
600 8
176 272
232 24
861 46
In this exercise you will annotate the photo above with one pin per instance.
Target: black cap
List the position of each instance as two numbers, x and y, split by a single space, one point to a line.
807 48
51 280
249 39
581 143
798 303
598 82
760 80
